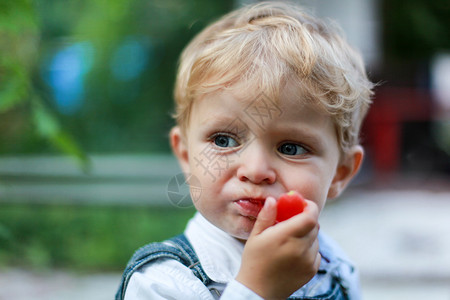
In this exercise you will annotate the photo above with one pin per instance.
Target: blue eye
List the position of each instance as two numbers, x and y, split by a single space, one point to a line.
292 149
225 141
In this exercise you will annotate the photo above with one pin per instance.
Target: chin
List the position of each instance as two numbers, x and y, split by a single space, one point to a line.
243 232
241 237
239 228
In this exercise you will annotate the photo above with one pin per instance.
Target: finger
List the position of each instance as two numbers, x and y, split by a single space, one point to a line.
309 241
266 216
317 261
316 256
315 245
301 224
311 208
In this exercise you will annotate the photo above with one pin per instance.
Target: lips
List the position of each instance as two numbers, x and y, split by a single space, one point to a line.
250 207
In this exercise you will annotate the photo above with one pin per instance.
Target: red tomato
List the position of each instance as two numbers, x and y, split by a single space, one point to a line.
289 205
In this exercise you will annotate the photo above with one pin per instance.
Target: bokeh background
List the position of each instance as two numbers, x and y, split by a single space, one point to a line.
86 174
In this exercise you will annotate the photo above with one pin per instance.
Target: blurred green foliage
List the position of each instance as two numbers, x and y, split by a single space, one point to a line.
46 44
82 238
416 29
116 112
23 114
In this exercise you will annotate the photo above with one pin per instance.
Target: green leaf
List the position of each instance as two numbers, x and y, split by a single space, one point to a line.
48 127
64 142
14 84
12 94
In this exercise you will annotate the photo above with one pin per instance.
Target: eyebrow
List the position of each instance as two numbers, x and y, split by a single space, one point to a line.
218 120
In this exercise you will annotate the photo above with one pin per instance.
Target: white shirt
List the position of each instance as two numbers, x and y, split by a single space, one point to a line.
220 256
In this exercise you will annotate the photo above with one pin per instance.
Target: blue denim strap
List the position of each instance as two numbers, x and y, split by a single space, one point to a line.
182 243
337 292
177 248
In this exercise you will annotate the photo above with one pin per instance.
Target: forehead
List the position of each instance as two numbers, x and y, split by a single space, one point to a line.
260 108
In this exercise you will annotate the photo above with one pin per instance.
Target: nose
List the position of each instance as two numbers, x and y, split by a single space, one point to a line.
256 165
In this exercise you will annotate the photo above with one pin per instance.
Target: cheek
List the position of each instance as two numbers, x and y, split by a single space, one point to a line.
201 164
312 184
211 186
209 167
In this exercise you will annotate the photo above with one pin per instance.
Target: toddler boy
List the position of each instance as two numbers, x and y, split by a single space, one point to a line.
268 99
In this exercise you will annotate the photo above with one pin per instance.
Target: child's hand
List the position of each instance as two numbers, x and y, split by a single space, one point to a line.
279 259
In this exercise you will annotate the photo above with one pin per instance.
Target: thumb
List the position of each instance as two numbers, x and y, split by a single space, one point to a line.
266 216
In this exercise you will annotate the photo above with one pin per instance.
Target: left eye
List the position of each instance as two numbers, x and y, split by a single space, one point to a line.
292 149
225 141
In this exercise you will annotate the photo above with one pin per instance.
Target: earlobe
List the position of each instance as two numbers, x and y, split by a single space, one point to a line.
346 170
179 148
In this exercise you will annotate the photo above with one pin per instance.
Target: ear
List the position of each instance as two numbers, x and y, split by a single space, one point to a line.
346 170
179 148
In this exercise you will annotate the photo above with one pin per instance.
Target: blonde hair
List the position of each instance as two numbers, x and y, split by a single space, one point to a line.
267 46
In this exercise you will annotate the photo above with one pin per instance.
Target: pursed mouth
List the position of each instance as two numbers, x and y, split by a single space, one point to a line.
254 200
250 207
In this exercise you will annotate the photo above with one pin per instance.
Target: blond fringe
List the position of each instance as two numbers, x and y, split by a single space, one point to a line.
265 47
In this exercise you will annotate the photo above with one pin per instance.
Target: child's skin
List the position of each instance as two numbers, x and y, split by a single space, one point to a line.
296 150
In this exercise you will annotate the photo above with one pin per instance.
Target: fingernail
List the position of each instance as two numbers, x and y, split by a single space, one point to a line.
270 202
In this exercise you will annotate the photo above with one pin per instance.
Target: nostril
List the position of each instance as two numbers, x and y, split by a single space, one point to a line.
267 177
270 180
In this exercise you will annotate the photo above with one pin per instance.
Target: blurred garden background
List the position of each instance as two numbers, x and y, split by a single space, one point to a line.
86 103
82 79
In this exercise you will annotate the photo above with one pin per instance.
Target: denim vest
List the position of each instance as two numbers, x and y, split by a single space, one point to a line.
180 249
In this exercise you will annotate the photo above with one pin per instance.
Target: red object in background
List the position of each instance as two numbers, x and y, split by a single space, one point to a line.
289 205
383 127
385 134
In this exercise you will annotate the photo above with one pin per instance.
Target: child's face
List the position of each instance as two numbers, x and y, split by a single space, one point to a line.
242 151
